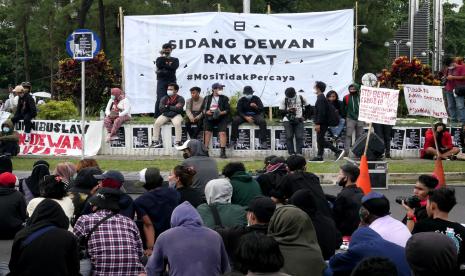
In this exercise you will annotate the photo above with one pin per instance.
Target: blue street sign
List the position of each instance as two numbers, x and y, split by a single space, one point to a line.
82 44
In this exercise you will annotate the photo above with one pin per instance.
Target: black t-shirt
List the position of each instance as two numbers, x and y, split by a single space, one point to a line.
441 226
193 196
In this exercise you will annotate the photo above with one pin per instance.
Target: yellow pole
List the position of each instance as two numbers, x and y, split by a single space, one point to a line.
270 108
219 7
268 8
356 42
121 30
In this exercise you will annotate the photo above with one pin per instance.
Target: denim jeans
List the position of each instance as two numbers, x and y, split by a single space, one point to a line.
455 106
294 130
336 130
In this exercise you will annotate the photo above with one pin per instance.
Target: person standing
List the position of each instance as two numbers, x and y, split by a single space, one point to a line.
322 120
292 110
250 110
166 73
171 108
118 111
26 110
194 122
350 105
216 111
333 98
455 79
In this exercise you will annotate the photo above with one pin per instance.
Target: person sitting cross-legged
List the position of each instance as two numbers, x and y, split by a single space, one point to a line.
171 108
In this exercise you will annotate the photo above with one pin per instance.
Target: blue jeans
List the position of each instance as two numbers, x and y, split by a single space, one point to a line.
336 130
455 106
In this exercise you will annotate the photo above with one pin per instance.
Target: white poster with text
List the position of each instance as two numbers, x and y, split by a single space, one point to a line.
268 52
425 100
378 105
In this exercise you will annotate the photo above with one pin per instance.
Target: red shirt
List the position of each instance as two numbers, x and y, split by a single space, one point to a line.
459 70
446 140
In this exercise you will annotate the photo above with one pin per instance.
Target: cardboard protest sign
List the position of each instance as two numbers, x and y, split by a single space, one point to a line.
425 100
378 105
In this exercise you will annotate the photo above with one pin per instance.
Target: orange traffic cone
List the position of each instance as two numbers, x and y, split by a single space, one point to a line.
363 181
439 173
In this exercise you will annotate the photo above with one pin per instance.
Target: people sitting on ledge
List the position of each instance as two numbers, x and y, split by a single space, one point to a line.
446 149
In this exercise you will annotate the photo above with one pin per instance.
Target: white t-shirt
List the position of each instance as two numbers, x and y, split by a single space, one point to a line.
214 104
66 204
296 103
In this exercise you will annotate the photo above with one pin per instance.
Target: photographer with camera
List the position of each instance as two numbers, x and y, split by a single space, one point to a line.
416 205
291 109
166 73
215 110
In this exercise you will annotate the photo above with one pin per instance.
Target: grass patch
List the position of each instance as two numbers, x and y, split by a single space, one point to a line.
395 166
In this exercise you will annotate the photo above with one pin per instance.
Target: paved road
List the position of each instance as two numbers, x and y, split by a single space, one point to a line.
457 214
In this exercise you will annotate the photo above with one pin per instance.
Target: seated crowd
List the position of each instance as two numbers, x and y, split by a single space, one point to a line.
78 220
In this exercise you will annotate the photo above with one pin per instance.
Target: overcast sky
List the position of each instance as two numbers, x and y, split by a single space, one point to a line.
459 2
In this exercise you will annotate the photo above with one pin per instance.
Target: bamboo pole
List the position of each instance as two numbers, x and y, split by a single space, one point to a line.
121 30
438 153
356 42
270 108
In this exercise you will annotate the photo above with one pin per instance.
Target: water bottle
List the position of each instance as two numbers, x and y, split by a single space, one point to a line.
102 115
451 234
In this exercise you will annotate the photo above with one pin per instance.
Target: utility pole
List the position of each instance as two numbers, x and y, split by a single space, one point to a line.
411 24
246 6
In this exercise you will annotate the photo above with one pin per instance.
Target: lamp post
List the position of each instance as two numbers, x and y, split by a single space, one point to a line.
397 44
364 30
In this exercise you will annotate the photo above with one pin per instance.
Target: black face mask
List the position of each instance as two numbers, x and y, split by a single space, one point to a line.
186 155
342 182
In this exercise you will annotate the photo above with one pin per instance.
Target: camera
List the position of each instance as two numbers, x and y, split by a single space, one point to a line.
411 201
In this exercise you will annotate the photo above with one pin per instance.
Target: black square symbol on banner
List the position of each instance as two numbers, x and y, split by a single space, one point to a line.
239 25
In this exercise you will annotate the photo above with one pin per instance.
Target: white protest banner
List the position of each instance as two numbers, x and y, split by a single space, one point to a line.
268 52
425 100
378 105
60 138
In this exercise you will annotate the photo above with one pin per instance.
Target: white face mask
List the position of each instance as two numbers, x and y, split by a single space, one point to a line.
170 92
6 129
112 97
219 92
248 97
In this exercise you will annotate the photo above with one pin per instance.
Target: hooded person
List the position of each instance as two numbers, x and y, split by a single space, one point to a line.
218 212
365 242
12 207
67 171
155 206
188 247
84 183
44 246
431 253
350 107
245 187
117 112
30 186
196 156
9 139
114 180
5 164
294 232
275 170
329 238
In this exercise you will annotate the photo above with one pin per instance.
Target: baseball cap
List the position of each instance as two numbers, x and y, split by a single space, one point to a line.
262 207
7 179
106 198
184 146
115 175
376 203
149 178
247 90
217 85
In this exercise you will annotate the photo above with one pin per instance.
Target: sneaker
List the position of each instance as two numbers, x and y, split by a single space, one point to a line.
316 159
113 138
178 144
223 153
340 154
156 144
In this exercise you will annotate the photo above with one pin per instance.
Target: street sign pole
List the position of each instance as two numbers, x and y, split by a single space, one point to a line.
83 108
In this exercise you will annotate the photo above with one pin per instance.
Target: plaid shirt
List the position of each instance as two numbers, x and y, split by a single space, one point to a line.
115 247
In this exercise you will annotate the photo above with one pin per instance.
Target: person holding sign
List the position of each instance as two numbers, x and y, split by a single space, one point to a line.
250 110
215 109
325 115
26 110
166 73
350 106
444 141
118 111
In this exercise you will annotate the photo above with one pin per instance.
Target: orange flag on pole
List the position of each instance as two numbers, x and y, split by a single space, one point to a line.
363 181
439 172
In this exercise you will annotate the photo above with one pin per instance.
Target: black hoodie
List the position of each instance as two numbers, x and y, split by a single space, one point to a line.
12 212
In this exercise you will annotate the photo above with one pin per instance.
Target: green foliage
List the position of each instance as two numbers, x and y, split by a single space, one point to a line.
99 76
454 30
57 110
233 100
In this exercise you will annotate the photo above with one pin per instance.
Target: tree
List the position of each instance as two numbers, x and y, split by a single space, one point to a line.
454 42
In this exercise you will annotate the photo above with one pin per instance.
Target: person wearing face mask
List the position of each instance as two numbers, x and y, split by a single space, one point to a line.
181 178
216 110
291 109
155 206
321 119
444 142
166 73
194 122
26 110
118 111
171 108
454 75
9 139
350 105
249 109
348 202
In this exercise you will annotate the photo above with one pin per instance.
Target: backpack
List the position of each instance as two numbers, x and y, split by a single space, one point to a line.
333 116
